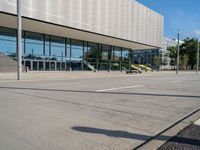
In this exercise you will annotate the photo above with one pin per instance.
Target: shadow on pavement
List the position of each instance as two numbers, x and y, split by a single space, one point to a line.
95 92
125 134
118 133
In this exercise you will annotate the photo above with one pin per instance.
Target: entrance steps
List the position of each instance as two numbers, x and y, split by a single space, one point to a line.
7 64
89 66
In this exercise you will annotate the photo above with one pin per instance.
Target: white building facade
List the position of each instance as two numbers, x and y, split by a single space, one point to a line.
65 34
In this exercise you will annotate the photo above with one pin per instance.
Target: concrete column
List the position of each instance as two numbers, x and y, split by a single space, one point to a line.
44 65
65 64
109 66
49 65
55 65
38 65
31 62
120 65
19 34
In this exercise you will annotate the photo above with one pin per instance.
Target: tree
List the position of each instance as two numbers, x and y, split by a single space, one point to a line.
184 61
189 48
165 62
156 61
172 54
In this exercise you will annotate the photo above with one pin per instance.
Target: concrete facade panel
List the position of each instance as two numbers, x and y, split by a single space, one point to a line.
124 19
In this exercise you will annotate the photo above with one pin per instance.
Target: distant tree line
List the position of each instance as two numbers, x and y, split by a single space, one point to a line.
188 54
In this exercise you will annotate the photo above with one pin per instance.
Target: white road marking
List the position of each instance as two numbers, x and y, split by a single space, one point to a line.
119 88
176 81
197 122
53 84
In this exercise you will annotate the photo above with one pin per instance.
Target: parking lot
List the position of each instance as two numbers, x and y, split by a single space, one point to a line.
102 113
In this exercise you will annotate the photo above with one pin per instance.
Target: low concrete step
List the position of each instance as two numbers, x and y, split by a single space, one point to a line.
7 64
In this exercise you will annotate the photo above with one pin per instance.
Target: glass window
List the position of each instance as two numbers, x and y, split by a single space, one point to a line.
105 51
116 54
22 45
92 50
33 45
47 47
76 49
125 59
68 52
125 54
57 48
8 41
105 56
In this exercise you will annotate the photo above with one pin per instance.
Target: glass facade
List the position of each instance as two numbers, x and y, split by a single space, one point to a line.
48 52
76 54
47 46
145 56
91 54
8 40
57 48
104 57
116 58
33 45
125 59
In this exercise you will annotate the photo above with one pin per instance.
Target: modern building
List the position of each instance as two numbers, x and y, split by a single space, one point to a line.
145 56
79 34
167 42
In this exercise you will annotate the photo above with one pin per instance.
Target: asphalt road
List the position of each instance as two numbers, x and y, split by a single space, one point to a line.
113 113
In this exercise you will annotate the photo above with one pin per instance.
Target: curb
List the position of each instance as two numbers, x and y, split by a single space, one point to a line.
154 143
197 122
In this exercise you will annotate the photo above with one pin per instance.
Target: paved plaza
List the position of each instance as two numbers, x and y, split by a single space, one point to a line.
98 111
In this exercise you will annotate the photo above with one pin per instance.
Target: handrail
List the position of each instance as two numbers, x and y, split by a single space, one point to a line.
89 65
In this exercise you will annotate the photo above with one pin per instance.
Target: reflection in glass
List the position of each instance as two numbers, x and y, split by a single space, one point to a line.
57 48
68 49
116 54
125 54
125 59
8 41
47 52
76 55
33 45
116 58
105 51
92 50
91 55
76 49
105 55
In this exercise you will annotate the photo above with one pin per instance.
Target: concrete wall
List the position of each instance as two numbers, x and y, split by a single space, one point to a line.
7 64
124 19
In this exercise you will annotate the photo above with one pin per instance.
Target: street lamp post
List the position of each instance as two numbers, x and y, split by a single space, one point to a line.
177 65
197 69
19 32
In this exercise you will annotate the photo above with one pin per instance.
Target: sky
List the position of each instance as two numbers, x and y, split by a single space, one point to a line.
178 14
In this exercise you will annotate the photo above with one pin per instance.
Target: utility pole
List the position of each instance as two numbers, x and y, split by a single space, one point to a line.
177 65
197 69
19 32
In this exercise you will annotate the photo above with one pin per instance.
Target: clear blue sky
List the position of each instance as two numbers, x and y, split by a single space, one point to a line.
182 14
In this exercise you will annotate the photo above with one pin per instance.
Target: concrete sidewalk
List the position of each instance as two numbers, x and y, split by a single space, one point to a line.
60 75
